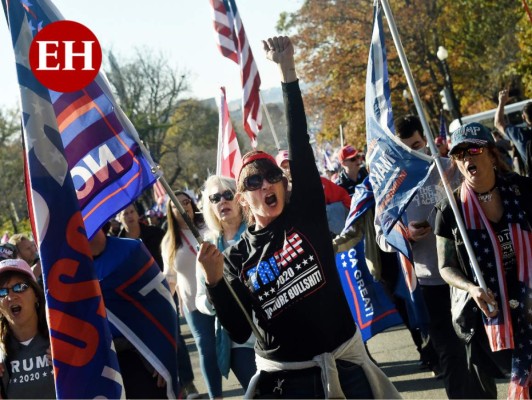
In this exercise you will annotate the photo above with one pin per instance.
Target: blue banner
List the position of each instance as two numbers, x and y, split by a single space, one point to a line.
82 165
139 304
372 309
396 171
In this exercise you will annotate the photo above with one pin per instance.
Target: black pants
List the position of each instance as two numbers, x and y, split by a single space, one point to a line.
139 382
460 382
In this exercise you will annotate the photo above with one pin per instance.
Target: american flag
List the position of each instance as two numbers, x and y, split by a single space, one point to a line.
229 158
159 194
396 172
233 44
504 332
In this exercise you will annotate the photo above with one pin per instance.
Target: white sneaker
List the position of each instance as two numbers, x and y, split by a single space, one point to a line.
189 391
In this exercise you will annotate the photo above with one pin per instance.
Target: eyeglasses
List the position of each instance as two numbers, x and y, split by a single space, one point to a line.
254 182
216 197
20 287
472 151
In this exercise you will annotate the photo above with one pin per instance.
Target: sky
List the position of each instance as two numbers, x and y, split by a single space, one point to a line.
182 30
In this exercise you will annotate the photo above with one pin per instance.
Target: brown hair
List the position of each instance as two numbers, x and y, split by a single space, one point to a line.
42 325
172 238
501 167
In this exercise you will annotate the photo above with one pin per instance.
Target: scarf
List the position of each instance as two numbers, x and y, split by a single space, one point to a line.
502 331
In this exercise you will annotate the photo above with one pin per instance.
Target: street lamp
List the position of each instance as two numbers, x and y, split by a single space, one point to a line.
442 55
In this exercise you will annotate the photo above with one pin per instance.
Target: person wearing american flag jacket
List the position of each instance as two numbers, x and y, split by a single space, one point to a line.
496 207
284 274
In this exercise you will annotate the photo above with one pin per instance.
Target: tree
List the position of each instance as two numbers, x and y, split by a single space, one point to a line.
188 152
148 90
333 36
13 205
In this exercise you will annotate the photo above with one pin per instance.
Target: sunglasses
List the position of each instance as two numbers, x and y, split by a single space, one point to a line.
254 182
472 151
216 197
16 288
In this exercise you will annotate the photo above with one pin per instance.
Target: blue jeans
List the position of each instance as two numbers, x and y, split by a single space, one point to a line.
243 364
184 366
306 383
203 329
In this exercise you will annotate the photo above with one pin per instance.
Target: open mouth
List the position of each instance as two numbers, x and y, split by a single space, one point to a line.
15 310
472 169
271 199
225 210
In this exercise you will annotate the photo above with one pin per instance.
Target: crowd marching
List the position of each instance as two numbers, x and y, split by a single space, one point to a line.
258 292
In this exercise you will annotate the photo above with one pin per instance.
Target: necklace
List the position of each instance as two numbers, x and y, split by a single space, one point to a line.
486 196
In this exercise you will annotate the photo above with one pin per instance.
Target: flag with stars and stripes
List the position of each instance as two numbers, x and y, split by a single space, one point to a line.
233 44
229 158
511 328
82 165
396 171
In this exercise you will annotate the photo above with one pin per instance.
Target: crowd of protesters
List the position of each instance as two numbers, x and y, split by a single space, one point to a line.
236 292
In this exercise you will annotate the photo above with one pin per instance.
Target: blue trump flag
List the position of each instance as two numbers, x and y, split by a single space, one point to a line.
139 304
82 165
396 172
101 146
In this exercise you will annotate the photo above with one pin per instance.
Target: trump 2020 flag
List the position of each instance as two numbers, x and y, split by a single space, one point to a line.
396 172
85 363
229 158
82 166
101 146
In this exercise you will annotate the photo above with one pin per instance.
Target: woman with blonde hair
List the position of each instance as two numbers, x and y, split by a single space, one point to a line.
224 218
178 250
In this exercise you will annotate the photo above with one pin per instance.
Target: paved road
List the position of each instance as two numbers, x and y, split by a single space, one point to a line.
393 350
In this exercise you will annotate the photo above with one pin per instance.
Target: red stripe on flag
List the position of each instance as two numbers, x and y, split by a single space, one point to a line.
234 45
229 157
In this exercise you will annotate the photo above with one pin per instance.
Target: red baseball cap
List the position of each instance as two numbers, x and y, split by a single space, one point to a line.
254 155
347 152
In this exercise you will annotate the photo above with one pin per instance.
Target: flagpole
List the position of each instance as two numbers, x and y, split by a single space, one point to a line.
269 118
432 146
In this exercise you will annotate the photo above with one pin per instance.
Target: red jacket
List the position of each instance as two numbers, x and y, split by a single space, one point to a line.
334 193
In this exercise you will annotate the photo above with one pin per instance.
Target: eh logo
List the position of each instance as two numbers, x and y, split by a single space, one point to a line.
65 56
